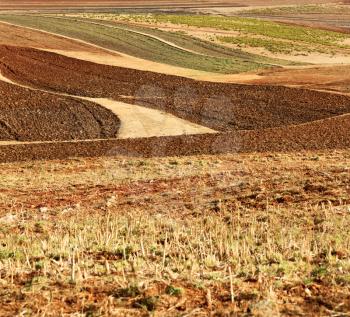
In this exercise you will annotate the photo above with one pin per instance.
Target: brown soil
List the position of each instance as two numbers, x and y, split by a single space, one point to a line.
223 107
28 115
253 118
320 135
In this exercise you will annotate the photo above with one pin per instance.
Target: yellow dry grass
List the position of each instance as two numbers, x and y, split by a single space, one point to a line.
266 234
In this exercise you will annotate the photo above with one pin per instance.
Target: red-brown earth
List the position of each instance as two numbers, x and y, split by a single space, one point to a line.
251 118
220 106
27 115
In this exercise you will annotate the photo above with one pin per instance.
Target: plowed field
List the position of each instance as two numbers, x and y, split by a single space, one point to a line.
224 107
250 118
27 115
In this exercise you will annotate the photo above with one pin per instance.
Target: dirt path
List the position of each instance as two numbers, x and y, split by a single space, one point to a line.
136 121
138 32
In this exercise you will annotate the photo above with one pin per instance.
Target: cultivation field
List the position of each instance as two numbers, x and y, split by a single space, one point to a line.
173 164
244 110
24 37
331 78
45 117
250 118
241 107
238 110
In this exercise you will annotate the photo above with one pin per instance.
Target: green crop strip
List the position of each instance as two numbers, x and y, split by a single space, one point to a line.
249 26
191 43
141 46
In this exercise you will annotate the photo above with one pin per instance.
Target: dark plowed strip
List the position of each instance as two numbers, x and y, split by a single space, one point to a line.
27 115
223 107
328 134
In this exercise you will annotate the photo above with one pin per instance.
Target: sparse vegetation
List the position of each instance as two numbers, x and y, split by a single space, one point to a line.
273 46
273 36
263 243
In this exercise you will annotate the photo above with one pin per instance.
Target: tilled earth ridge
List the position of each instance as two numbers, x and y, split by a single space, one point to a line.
326 125
220 106
27 115
332 133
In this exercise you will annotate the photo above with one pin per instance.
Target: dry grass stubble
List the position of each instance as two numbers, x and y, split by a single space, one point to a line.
242 234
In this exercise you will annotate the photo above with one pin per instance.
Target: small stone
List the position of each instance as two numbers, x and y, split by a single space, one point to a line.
308 292
8 219
43 209
111 201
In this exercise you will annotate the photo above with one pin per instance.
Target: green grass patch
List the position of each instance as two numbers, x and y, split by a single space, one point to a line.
249 26
141 46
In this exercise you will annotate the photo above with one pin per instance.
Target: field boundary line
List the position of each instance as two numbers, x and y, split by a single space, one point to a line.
134 31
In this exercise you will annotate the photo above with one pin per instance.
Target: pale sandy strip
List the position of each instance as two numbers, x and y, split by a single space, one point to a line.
137 121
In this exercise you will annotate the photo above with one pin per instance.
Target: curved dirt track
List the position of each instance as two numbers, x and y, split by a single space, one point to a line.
141 122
